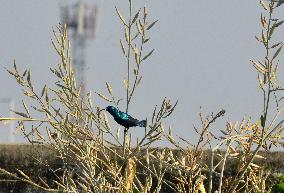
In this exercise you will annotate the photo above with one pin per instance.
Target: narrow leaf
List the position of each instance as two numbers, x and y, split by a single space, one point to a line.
126 35
25 73
275 45
26 108
43 91
120 16
139 80
29 78
136 16
277 24
21 114
139 27
109 88
280 2
149 54
145 12
263 5
104 97
151 25
274 26
263 38
146 40
263 21
277 52
259 67
224 132
122 47
15 66
61 86
135 72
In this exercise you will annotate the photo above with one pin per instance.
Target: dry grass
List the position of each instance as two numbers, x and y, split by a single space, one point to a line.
23 157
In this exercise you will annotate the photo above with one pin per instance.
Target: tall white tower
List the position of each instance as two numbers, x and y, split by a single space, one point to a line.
11 103
81 21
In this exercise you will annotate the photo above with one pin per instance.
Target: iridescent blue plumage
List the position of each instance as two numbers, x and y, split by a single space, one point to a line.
124 119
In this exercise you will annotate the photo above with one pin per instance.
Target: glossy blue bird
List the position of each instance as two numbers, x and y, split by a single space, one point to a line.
124 119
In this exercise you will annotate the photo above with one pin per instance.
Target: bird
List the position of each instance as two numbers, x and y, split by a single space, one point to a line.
124 119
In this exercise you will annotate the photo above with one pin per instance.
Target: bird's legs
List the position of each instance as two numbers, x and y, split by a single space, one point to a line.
126 129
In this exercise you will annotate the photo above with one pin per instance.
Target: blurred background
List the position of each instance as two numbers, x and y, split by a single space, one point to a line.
201 58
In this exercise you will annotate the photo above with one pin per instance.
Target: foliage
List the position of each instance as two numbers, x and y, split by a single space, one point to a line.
279 187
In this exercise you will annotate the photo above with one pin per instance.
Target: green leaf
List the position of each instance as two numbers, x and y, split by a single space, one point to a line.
277 24
56 73
47 98
275 45
151 25
274 26
149 54
15 66
61 86
29 78
21 114
25 72
136 16
277 52
135 190
262 121
43 91
280 2
122 47
146 40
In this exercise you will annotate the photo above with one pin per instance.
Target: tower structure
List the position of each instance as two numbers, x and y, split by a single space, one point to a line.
11 103
81 21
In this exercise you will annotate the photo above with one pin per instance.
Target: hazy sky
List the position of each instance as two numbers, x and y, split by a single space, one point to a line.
202 56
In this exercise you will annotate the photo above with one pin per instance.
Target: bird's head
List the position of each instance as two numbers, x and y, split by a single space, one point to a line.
110 109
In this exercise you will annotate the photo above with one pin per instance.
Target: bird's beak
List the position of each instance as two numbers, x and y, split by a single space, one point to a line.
102 109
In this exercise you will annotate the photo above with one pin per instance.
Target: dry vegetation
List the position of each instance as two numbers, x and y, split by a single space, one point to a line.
26 158
95 158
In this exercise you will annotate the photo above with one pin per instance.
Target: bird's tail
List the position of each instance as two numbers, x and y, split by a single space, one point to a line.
142 123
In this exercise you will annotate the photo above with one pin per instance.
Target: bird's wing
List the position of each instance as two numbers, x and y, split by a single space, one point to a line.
123 115
127 117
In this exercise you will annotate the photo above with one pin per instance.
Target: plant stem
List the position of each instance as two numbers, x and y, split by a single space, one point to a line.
266 103
128 55
128 74
223 166
211 171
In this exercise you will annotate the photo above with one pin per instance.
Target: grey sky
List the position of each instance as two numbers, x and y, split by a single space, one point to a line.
202 56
